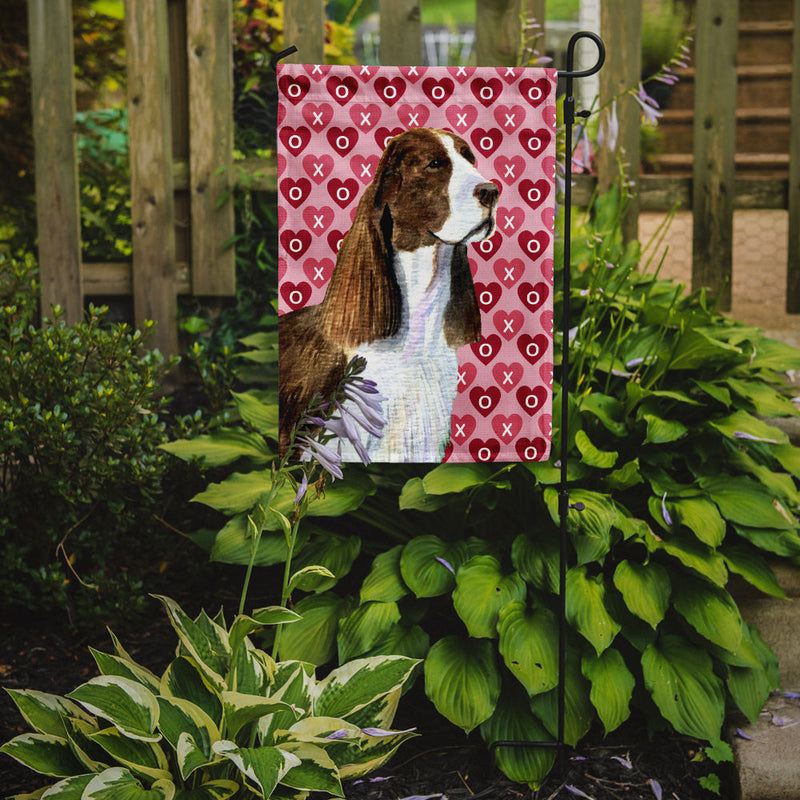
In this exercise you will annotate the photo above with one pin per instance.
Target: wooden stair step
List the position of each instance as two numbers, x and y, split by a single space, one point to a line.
762 164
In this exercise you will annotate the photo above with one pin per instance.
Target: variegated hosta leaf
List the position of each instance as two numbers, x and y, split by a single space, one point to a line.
45 712
262 766
125 668
646 589
529 645
126 704
179 718
244 625
586 608
183 679
242 709
68 789
44 753
117 783
252 670
360 682
204 641
294 685
316 771
385 581
78 733
462 680
612 686
513 721
145 759
683 685
212 790
372 754
481 591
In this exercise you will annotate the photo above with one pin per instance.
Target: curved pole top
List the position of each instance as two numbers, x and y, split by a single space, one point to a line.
570 72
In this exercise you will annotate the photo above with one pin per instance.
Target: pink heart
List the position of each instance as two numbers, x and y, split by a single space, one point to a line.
365 118
534 141
317 116
486 91
534 244
318 220
547 270
507 376
295 140
438 91
461 74
485 399
488 294
509 169
343 192
413 74
549 116
342 90
548 217
461 428
487 348
461 117
509 118
546 321
318 167
510 220
466 374
282 267
509 272
342 140
363 71
507 427
364 167
295 243
413 116
295 295
484 451
294 87
546 373
383 135
508 323
532 347
509 74
534 193
486 142
318 272
390 91
486 248
546 424
533 297
335 239
295 192
531 449
535 91
531 399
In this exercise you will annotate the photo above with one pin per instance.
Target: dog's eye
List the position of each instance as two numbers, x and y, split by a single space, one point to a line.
437 163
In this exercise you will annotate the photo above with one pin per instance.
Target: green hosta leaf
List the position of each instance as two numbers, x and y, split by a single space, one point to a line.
125 668
612 687
126 704
701 517
312 577
709 610
537 561
589 528
335 553
695 350
233 544
586 608
212 790
767 401
788 455
753 567
316 772
428 565
749 688
608 410
263 766
365 627
313 638
242 709
243 625
385 582
529 645
462 680
44 753
683 685
663 431
45 712
692 553
414 497
261 416
782 543
646 589
399 640
625 477
145 759
716 391
78 732
448 478
745 502
118 784
512 721
481 591
207 643
355 685
182 679
591 456
237 493
740 422
578 710
366 753
771 354
223 446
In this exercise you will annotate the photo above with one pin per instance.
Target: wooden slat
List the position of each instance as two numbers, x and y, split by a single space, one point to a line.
152 202
714 147
304 27
210 54
793 266
114 279
497 32
400 32
57 203
621 29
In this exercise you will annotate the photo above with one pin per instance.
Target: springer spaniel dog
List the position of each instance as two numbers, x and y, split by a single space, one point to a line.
401 295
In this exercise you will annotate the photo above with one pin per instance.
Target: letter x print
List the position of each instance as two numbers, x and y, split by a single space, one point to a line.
460 432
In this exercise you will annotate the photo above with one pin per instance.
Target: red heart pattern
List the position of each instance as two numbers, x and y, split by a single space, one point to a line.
334 124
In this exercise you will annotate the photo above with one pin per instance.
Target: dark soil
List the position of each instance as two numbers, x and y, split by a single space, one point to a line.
44 654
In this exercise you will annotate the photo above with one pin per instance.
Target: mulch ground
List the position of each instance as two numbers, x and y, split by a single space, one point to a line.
45 654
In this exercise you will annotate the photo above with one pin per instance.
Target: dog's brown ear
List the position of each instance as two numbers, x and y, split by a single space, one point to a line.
462 316
362 302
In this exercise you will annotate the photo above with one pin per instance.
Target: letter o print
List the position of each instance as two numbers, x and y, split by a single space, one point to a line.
534 194
437 93
294 90
533 247
485 402
295 245
528 347
485 300
487 93
535 93
295 297
295 193
531 401
532 298
530 453
534 144
339 244
485 349
295 142
484 454
342 194
342 91
485 246
342 142
390 92
486 143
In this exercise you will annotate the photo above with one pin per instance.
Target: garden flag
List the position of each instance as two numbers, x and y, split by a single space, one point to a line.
416 213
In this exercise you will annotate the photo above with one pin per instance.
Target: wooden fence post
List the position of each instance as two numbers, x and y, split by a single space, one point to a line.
210 54
56 164
304 27
400 32
498 30
621 28
714 189
793 266
152 201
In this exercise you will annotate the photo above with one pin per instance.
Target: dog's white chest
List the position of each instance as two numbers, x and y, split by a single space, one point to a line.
415 369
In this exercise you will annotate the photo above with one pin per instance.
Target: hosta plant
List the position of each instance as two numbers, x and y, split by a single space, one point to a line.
224 720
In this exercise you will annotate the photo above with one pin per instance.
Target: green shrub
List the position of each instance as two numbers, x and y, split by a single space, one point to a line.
79 430
223 720
683 484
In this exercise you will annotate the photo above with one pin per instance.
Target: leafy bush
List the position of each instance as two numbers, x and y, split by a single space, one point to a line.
683 484
79 430
222 717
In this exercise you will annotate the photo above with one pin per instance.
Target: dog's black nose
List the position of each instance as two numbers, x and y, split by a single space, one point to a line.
487 194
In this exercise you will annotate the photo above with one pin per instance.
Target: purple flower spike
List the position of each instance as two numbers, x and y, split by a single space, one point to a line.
328 459
342 733
577 792
446 564
624 761
664 512
655 787
792 695
301 489
742 735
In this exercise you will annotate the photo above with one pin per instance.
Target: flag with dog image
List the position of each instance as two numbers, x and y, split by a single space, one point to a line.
416 213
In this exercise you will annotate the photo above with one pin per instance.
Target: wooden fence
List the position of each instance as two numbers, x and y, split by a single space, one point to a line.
181 134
